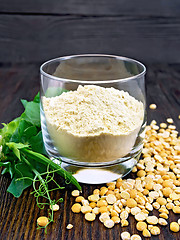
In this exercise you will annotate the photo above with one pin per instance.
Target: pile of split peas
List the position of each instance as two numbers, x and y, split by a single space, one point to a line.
156 186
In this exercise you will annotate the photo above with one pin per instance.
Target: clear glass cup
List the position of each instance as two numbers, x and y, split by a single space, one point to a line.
93 159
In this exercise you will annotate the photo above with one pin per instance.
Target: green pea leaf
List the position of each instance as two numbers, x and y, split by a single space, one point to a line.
22 149
24 102
8 129
44 160
30 132
17 136
41 168
23 125
37 98
8 168
15 148
32 113
36 143
18 185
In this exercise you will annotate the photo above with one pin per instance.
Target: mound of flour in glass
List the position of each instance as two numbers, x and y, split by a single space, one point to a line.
93 124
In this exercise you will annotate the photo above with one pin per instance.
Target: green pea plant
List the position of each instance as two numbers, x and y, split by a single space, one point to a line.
23 156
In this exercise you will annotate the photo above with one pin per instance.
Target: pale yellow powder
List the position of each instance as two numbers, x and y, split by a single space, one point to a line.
93 123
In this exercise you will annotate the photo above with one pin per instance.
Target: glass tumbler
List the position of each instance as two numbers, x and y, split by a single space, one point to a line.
93 114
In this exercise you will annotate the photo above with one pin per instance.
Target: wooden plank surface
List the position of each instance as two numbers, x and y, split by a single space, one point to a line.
163 8
31 38
18 216
36 31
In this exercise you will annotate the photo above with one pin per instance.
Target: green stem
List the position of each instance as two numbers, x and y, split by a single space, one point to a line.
37 174
46 189
44 160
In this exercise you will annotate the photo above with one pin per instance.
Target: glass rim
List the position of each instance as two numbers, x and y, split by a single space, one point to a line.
92 81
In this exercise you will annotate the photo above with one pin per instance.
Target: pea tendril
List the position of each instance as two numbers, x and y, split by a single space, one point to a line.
41 189
23 156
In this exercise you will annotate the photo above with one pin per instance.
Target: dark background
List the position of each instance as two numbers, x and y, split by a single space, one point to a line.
37 30
33 31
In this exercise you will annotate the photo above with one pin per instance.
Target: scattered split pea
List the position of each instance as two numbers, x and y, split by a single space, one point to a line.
76 208
90 216
174 227
146 233
152 106
141 226
155 230
125 236
42 221
75 193
156 186
69 226
55 207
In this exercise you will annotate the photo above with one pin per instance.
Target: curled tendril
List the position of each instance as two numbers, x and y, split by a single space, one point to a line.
41 189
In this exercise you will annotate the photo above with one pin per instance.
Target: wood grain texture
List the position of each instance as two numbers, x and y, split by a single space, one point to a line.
37 38
92 7
18 216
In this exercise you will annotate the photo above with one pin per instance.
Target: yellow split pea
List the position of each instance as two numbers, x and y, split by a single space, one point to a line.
42 221
152 106
141 226
76 208
157 185
174 227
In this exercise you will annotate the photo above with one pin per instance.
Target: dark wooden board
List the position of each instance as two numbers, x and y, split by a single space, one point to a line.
39 38
92 7
18 216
